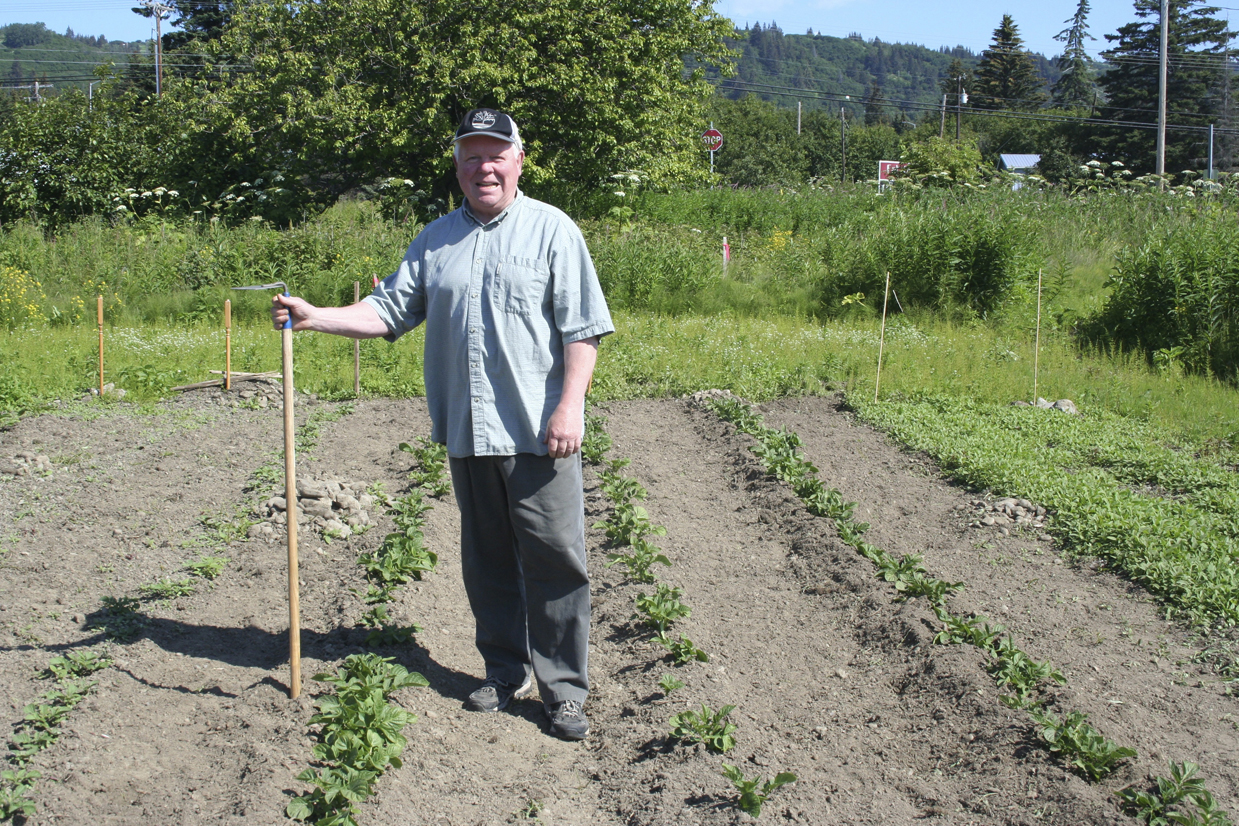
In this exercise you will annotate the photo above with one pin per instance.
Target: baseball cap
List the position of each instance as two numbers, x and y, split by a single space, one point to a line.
488 122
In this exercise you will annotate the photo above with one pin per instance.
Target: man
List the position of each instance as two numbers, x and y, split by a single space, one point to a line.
513 314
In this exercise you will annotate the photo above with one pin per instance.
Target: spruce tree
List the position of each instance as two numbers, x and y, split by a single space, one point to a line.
1196 44
1006 77
1075 86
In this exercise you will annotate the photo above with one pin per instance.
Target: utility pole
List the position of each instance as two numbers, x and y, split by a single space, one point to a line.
1161 98
159 10
960 97
942 124
843 143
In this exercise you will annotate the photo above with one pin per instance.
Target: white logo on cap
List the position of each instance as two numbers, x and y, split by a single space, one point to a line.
483 120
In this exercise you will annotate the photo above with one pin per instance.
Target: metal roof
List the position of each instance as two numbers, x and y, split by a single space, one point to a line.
1018 161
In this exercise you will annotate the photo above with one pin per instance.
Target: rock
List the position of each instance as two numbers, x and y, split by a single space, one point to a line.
1067 406
987 521
365 501
337 527
317 507
347 502
1043 404
841 673
309 489
278 503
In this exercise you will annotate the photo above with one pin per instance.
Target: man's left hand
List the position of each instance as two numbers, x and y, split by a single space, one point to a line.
564 432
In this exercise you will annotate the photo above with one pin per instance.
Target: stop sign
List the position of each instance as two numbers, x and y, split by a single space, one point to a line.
713 139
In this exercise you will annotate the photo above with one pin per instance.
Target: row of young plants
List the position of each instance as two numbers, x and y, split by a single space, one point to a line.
1071 737
628 528
1161 509
40 727
360 729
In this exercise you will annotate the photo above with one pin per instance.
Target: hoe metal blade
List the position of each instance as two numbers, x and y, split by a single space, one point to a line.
283 287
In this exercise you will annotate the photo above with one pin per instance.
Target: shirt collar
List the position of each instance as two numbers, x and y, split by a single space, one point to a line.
475 219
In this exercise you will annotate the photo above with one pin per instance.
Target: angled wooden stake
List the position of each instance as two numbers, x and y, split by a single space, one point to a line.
877 382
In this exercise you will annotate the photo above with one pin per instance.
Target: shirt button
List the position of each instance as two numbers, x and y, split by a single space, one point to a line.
475 295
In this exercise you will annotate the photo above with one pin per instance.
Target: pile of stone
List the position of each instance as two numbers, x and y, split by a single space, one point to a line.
24 464
332 507
264 393
1064 405
1007 513
110 391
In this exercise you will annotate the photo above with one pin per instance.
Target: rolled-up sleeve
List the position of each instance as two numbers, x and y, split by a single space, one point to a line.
400 299
580 307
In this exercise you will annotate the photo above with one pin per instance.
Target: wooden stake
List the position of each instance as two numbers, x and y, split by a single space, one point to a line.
1037 345
356 347
290 499
227 343
101 346
882 338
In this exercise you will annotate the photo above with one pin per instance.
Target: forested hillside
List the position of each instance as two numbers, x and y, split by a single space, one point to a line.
775 65
31 52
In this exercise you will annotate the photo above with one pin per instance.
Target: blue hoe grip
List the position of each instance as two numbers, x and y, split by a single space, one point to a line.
288 325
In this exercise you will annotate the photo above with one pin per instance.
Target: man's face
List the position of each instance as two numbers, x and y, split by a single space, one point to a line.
488 170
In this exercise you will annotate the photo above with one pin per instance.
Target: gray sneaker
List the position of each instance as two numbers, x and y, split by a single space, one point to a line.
568 720
495 694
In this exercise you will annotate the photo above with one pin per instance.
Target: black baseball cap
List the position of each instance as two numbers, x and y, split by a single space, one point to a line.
488 122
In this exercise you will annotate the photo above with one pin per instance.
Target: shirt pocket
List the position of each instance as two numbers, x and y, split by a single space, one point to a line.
520 289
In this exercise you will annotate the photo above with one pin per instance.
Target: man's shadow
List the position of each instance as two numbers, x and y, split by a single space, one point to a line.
253 647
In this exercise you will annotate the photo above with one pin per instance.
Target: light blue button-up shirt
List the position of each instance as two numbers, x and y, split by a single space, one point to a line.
500 301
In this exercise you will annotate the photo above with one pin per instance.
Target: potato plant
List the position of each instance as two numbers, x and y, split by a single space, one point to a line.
638 562
628 523
359 739
753 792
1181 799
40 727
661 608
432 458
682 651
713 728
1080 745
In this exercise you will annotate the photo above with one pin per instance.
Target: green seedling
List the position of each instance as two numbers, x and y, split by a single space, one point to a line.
669 683
119 618
596 442
682 650
779 453
207 567
1016 670
167 589
753 793
76 664
638 562
1083 748
627 523
402 557
1184 789
360 737
663 607
962 630
621 489
15 786
432 458
713 728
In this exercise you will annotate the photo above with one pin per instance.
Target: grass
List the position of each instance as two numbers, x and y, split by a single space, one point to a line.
653 355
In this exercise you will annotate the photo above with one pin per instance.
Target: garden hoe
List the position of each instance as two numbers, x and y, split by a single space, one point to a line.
290 500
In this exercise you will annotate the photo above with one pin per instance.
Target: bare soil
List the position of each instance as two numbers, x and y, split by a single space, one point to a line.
832 677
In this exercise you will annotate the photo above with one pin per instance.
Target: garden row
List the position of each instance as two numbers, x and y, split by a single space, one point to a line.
1067 734
359 730
629 530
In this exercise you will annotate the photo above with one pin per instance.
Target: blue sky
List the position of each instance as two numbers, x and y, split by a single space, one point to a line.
969 23
963 22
